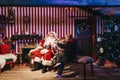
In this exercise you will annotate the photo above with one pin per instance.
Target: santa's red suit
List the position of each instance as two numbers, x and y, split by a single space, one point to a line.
47 57
40 46
36 56
35 53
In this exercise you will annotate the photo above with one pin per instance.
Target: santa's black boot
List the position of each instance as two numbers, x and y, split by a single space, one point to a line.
44 69
40 66
36 66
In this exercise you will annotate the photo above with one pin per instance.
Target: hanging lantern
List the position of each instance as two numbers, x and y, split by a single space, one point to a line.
101 50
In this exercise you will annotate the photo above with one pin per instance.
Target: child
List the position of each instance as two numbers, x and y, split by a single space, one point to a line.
60 60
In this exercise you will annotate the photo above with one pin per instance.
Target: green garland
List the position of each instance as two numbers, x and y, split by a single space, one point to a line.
21 37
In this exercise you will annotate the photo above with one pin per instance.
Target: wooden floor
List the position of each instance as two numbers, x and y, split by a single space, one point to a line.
72 71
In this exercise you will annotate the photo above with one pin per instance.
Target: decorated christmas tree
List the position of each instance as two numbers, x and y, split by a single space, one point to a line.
108 43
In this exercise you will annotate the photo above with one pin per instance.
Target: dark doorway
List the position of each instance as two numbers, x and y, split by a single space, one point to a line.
83 36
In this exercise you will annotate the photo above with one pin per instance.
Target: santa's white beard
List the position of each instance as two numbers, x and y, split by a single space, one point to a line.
50 41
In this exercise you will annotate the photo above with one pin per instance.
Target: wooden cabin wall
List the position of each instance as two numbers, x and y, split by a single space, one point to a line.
43 19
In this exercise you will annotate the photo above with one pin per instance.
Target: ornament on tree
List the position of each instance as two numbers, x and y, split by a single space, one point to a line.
101 50
99 39
116 28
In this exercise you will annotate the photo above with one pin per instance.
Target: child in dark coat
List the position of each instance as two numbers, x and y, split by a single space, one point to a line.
60 60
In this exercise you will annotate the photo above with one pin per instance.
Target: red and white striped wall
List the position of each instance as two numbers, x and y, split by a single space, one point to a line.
43 20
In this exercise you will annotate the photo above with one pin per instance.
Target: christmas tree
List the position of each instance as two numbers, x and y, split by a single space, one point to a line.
108 43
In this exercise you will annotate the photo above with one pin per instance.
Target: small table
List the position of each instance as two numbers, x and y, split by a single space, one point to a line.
86 60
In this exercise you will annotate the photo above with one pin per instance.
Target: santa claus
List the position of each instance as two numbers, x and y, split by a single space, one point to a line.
50 45
51 39
44 52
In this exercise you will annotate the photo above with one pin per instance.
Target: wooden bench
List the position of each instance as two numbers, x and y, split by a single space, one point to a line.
86 60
